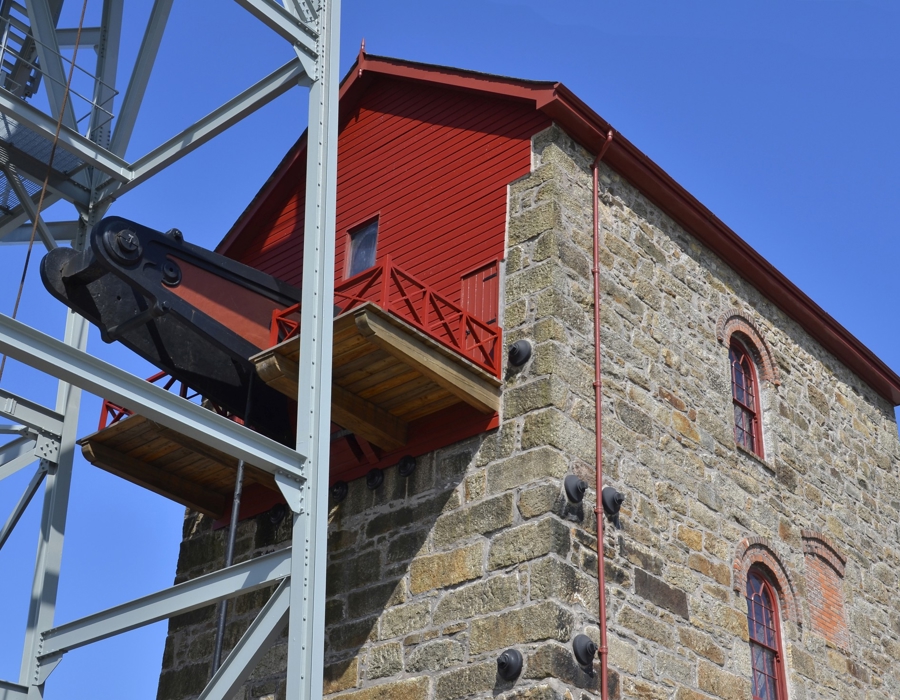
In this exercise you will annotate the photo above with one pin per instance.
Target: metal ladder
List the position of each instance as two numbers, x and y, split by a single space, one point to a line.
19 70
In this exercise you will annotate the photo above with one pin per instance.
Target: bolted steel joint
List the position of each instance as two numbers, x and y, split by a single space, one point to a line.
124 246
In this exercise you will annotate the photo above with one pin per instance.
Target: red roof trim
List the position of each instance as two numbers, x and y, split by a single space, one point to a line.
589 129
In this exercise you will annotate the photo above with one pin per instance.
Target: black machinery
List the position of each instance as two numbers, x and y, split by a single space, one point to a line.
193 313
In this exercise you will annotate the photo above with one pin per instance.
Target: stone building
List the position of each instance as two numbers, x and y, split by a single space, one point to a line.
753 437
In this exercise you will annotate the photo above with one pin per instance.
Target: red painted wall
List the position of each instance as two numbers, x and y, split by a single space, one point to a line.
433 164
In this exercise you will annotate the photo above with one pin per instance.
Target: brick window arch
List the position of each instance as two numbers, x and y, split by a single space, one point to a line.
734 322
745 399
750 362
766 655
759 552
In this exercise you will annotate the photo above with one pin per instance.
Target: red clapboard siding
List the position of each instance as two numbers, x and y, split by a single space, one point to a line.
433 164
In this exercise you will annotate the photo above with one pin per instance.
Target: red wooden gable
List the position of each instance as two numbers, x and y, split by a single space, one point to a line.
433 165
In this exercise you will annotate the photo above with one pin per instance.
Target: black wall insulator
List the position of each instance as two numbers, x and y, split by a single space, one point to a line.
509 665
585 650
575 488
374 478
612 502
407 465
339 491
279 511
519 353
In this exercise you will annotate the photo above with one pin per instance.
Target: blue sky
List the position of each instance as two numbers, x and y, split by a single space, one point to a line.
781 117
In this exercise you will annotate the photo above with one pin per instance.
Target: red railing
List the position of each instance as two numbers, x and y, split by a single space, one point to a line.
111 413
410 299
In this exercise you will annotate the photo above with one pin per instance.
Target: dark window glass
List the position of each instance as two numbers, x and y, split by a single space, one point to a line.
362 248
745 399
765 642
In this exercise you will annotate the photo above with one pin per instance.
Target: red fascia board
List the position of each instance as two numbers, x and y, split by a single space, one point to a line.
589 129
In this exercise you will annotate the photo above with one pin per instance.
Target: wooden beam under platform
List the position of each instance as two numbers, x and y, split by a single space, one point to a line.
168 463
385 373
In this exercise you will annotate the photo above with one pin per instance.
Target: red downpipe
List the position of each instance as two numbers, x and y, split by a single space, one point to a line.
603 651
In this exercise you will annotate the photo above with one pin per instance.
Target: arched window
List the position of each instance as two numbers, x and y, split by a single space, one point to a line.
745 396
766 658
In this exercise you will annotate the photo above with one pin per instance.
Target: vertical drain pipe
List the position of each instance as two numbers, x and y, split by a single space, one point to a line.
603 651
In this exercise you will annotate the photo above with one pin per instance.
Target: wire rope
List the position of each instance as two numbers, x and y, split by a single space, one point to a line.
40 204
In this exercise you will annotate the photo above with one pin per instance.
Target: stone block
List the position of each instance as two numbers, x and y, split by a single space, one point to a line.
713 680
435 656
541 499
408 689
552 578
356 572
651 628
375 598
528 542
540 393
553 427
526 467
546 620
701 644
446 569
466 681
384 660
478 519
552 660
661 594
340 676
491 595
533 222
403 619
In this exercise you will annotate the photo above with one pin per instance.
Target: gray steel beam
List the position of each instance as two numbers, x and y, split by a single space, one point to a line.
107 61
12 177
14 465
140 76
30 413
306 639
251 647
49 355
285 24
69 139
48 563
43 29
17 454
12 691
90 36
196 593
259 95
20 507
61 231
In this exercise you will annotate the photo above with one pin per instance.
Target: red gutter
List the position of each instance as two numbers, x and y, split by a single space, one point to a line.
603 651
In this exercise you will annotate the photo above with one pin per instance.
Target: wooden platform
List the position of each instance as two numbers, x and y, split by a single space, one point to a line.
386 373
168 463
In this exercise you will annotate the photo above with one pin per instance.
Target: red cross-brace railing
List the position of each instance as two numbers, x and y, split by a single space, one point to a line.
410 299
111 413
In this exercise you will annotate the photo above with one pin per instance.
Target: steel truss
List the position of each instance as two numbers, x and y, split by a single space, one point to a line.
94 172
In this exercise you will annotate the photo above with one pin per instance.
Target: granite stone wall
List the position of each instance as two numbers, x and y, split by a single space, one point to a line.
430 577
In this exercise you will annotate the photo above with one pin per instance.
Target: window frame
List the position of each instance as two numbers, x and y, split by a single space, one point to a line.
351 232
757 573
753 387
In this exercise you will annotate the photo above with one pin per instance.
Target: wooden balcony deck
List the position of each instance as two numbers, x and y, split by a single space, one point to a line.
386 373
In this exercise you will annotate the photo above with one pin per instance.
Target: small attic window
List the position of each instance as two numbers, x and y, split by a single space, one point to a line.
363 242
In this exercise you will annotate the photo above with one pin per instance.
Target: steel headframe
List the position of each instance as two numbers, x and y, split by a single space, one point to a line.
48 436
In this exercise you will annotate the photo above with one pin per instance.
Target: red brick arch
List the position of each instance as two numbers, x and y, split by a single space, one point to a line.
732 322
760 551
824 572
